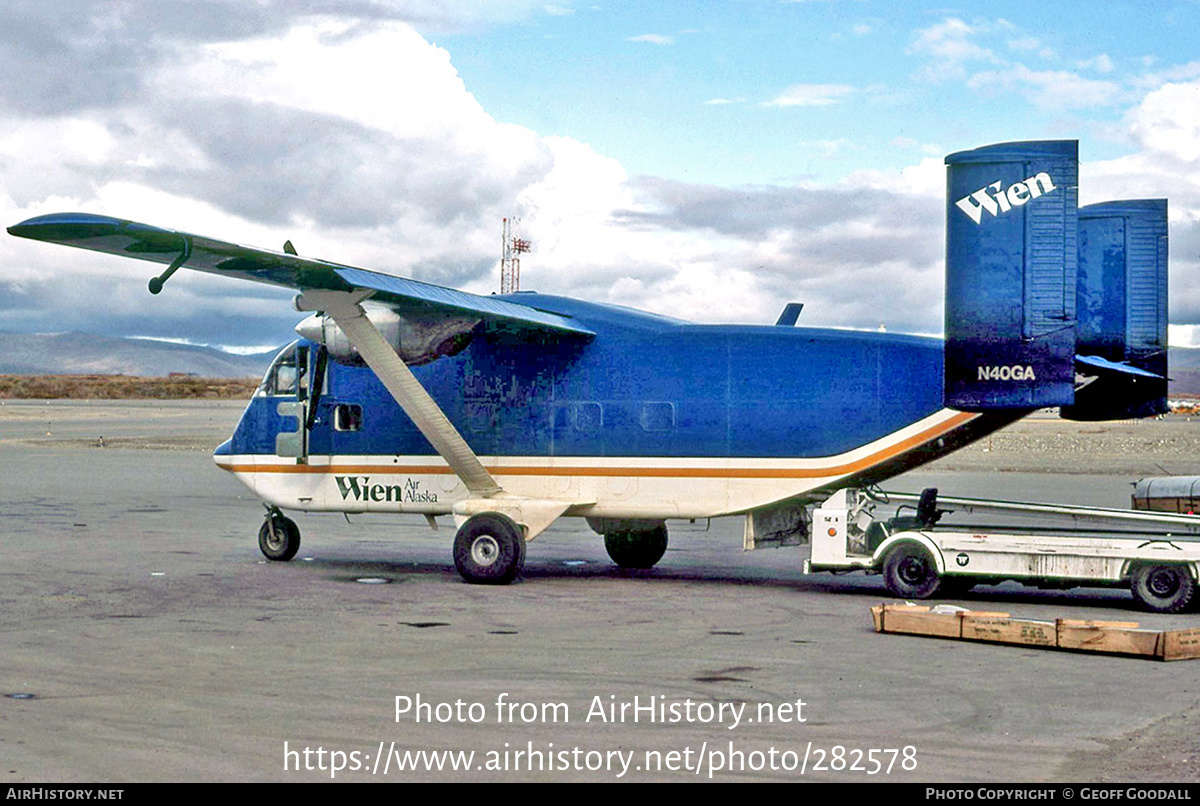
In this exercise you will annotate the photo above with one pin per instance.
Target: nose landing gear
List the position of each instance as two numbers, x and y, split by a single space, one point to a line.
279 537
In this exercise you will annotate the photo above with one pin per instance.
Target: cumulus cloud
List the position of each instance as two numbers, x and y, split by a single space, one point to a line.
950 40
1101 64
359 142
811 95
1165 127
653 39
953 51
820 245
355 137
950 46
1167 122
1049 89
1175 73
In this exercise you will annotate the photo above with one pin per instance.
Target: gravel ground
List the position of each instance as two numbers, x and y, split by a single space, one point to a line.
1167 751
1044 443
1163 751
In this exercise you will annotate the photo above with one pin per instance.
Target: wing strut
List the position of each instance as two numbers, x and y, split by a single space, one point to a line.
156 283
343 308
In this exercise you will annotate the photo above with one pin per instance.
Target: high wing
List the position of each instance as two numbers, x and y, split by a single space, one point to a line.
337 291
180 249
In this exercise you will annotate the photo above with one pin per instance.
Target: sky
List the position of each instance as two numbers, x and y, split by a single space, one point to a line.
706 160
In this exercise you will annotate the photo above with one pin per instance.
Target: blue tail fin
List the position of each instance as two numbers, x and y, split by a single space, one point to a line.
1011 264
1122 308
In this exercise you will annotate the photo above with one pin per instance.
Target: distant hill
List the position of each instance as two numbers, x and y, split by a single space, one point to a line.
88 353
1183 367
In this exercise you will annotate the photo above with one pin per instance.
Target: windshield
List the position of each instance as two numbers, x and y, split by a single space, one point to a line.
288 373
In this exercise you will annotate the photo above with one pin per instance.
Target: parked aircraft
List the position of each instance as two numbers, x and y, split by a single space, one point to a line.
509 412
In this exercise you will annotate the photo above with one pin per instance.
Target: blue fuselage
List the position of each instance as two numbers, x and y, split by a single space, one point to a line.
644 386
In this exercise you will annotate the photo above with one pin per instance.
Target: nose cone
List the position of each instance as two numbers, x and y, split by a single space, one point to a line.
312 327
222 455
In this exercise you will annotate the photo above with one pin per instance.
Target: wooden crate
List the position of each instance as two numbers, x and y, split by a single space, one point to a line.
1109 637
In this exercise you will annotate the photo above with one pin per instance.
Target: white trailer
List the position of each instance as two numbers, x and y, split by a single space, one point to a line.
1156 554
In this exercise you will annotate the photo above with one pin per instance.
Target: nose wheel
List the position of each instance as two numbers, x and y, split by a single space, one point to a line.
279 537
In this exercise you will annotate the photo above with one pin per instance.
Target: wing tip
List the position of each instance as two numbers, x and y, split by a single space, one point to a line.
55 226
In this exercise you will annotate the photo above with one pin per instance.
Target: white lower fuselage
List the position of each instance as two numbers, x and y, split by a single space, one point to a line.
608 487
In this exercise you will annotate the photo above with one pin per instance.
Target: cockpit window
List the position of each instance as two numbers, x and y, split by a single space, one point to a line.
288 373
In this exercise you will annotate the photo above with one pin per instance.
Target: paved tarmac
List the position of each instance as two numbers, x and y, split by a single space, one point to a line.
144 638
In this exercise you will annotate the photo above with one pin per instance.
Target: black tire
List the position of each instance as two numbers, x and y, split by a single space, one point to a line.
640 549
283 545
489 549
1163 588
910 572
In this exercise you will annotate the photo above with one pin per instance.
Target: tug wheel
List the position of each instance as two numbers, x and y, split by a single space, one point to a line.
910 572
1163 588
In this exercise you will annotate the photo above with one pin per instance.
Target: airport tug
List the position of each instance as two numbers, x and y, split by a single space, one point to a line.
1156 554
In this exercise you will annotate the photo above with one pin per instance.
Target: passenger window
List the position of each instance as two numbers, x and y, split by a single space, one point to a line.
480 416
347 417
658 417
588 416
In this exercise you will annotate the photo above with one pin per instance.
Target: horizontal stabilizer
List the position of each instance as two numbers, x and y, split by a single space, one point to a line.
409 297
1096 363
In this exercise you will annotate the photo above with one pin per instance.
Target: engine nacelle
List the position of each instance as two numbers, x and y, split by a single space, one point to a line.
415 341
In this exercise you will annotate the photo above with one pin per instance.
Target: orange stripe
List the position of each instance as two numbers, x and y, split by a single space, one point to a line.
642 472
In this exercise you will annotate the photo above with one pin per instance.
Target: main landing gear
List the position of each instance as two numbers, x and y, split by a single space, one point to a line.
637 548
489 549
279 537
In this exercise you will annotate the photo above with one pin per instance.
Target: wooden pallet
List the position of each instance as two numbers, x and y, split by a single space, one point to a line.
1112 637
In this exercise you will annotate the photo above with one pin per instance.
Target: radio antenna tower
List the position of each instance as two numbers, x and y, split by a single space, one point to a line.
510 264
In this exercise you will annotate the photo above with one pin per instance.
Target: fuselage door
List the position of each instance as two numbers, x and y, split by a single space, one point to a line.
288 381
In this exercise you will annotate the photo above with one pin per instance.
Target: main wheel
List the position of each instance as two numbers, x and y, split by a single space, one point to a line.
640 549
910 572
279 538
489 549
1163 588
